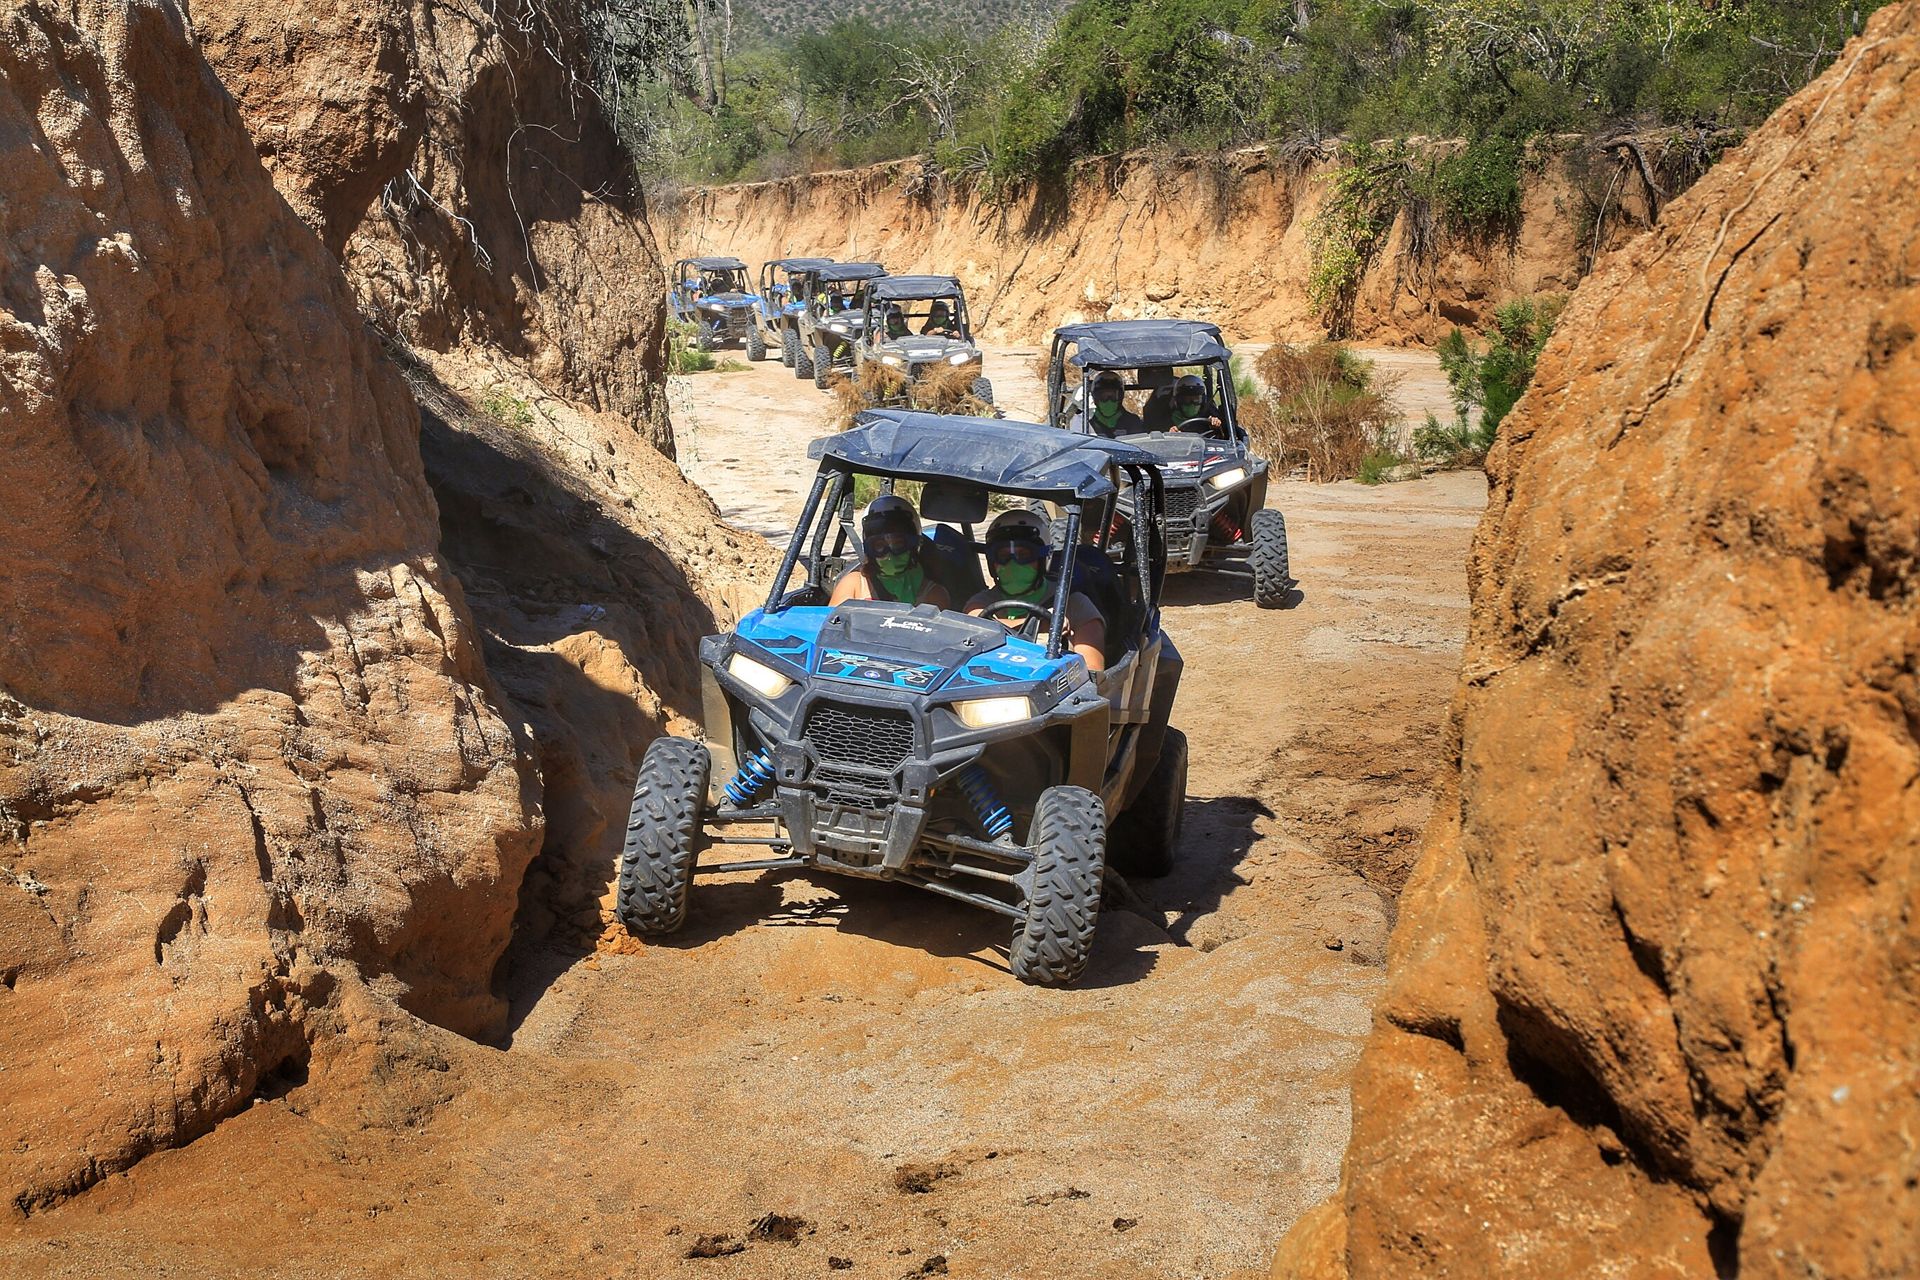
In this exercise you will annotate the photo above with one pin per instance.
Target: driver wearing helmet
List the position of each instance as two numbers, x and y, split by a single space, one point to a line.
896 322
940 322
1191 411
894 568
1111 417
1017 555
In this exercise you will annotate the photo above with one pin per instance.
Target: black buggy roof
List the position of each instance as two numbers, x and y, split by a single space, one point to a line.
714 264
1012 457
909 288
839 271
1137 344
801 264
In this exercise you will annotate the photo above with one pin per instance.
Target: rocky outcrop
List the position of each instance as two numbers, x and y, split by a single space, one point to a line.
1655 992
1226 238
249 753
458 162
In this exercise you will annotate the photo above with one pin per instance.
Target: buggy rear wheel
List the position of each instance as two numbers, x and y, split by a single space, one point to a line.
822 367
663 836
756 345
1271 575
789 347
982 390
1068 837
1146 838
802 359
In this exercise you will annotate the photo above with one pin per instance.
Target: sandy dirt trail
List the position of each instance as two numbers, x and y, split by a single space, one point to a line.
823 1077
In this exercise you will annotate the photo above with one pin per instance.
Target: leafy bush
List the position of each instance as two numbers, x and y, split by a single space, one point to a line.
1488 378
1323 409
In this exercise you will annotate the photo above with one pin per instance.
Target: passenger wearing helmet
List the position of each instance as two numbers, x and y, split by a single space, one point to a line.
896 322
1191 409
1111 417
893 568
1017 555
940 322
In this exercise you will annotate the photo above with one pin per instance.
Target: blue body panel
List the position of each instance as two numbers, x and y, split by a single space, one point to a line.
793 635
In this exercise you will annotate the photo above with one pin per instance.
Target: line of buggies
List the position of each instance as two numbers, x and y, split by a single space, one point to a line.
977 755
823 316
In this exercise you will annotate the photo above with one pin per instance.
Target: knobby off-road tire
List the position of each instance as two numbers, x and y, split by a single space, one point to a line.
756 345
703 339
822 367
982 390
663 836
1146 838
789 347
1271 574
1069 842
802 359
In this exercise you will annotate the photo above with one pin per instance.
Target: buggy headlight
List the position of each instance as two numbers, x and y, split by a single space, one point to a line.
838 326
964 357
985 713
757 676
892 360
1228 478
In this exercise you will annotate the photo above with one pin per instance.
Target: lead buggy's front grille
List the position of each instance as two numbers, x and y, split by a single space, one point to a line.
868 739
1181 504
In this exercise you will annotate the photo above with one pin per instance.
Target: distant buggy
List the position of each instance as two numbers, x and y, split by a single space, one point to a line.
917 324
903 742
712 295
785 285
833 319
1216 489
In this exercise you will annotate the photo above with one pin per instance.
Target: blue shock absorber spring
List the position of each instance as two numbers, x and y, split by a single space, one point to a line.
754 774
978 789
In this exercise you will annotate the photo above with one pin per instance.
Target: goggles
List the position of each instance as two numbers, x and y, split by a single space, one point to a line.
891 542
1021 552
1106 395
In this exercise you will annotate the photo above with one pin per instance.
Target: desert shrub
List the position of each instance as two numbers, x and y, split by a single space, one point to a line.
506 408
682 355
1488 377
1477 188
1322 409
1351 227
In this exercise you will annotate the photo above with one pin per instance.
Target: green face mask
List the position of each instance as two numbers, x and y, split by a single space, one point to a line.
1016 579
1106 412
893 566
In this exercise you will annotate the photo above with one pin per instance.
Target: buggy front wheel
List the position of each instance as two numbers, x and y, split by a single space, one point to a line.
663 836
756 345
1068 837
789 347
822 367
982 390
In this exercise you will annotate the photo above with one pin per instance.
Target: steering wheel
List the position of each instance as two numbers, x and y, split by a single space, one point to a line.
1038 616
1204 422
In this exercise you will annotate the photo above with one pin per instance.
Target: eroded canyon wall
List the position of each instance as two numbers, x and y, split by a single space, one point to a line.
1654 1004
1225 238
249 752
458 162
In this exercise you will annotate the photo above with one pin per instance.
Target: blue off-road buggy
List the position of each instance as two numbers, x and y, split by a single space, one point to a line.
785 286
712 295
907 743
1216 489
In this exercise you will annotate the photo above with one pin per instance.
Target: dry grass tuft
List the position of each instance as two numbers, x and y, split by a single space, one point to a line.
1323 409
947 389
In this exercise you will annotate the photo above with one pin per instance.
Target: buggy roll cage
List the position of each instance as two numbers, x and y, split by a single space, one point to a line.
1128 346
896 289
789 267
704 265
893 445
